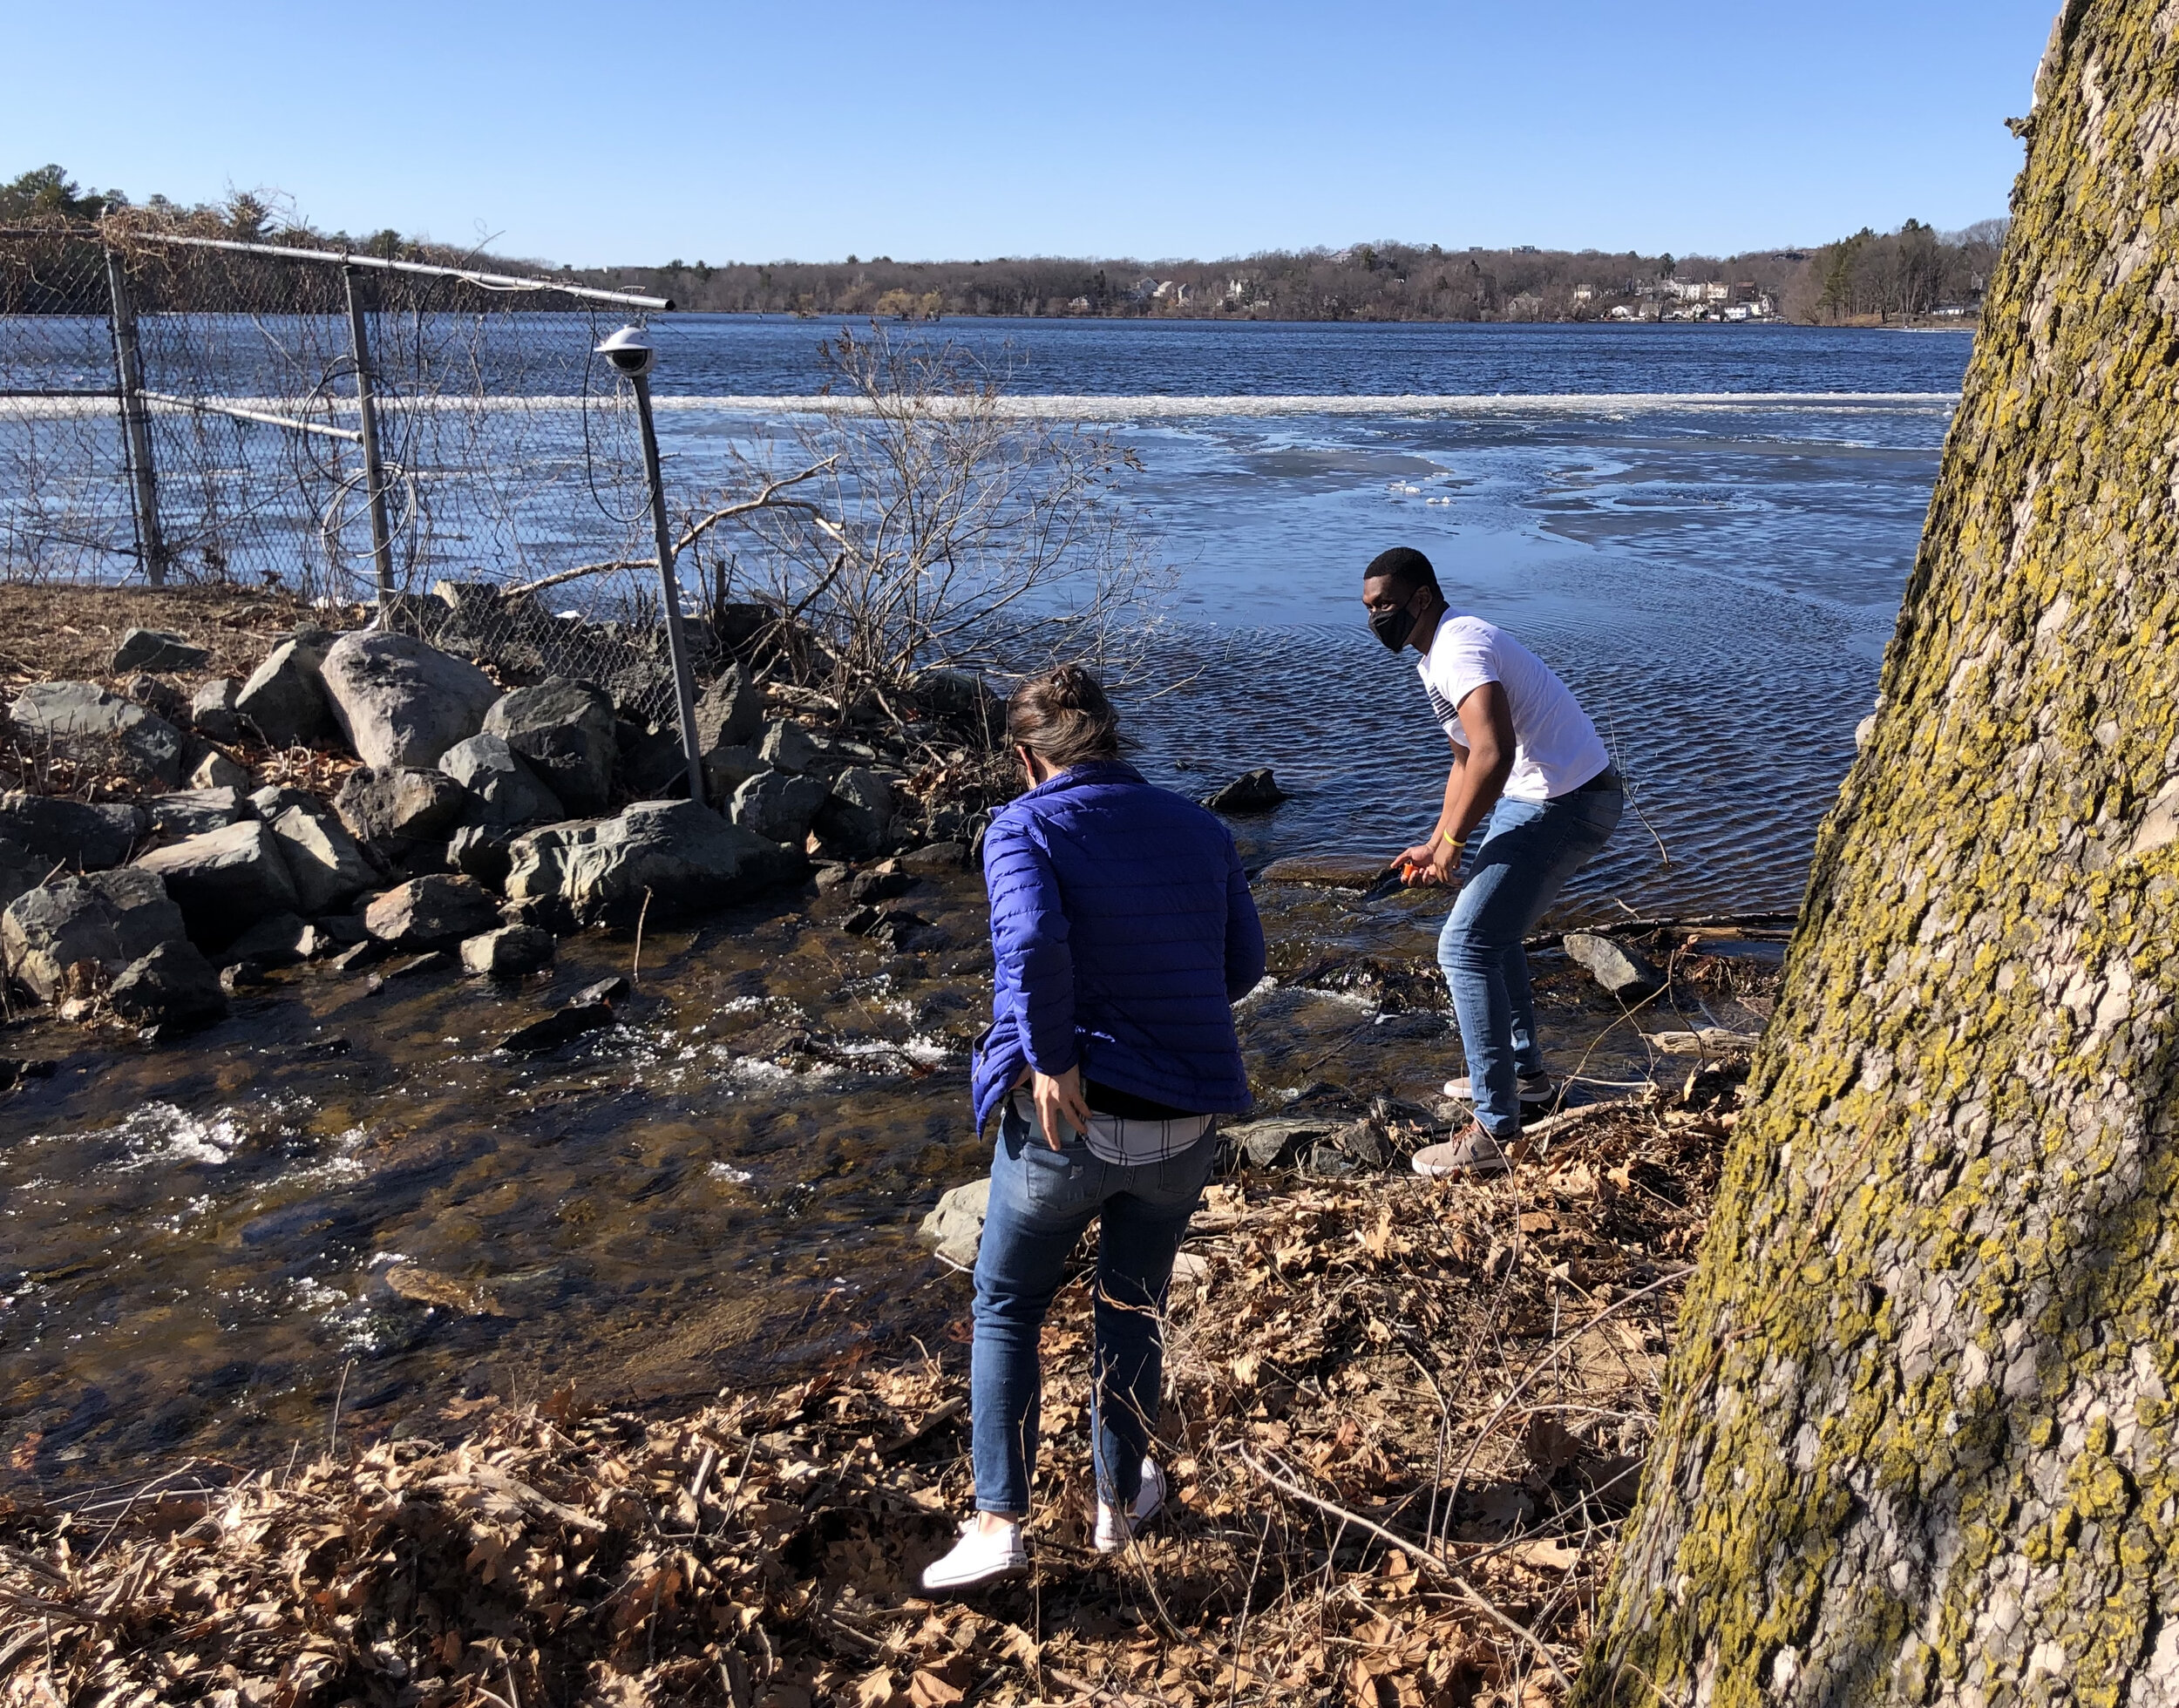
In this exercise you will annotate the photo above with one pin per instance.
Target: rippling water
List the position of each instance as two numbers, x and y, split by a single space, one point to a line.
347 1192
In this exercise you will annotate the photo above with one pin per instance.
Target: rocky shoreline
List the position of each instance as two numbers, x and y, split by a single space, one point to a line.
367 799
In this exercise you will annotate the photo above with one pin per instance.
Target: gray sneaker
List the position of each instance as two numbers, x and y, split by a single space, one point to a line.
1470 1154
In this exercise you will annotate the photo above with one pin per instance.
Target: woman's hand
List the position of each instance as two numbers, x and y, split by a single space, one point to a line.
1432 865
1058 1100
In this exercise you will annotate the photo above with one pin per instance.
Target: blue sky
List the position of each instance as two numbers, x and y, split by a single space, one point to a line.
654 129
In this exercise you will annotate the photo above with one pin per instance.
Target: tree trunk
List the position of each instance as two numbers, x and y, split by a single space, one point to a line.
1920 1440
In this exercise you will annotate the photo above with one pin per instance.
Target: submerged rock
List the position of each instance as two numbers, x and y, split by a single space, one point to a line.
401 702
111 919
85 725
565 730
1251 791
225 880
686 856
558 1027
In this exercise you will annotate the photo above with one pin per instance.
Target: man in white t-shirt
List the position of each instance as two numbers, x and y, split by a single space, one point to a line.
1530 773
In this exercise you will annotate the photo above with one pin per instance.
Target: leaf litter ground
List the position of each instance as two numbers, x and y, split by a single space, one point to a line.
1404 1421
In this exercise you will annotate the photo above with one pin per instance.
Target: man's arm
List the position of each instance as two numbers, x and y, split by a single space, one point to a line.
1473 786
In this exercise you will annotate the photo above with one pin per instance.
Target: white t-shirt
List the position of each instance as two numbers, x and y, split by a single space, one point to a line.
1556 748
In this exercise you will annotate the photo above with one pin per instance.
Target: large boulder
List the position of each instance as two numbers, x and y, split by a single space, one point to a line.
225 880
156 649
83 723
726 768
652 764
174 988
391 808
62 832
684 855
566 730
503 788
730 713
855 817
113 917
401 702
431 912
329 869
779 806
284 700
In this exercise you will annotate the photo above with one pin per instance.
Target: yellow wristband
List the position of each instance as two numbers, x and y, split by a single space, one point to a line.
1457 842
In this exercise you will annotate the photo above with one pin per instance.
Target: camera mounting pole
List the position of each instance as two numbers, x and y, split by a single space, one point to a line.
632 360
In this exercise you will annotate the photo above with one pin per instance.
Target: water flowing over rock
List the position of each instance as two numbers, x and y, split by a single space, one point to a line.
225 880
401 702
68 833
566 731
430 912
506 790
94 729
284 699
174 988
685 856
112 917
156 649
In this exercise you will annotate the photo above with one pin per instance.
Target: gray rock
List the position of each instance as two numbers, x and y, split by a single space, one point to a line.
726 768
87 725
401 702
216 770
779 806
508 952
280 941
20 870
63 832
329 869
110 917
1282 1141
284 700
730 712
480 851
504 788
192 812
559 1027
174 988
566 730
1251 791
651 764
855 816
225 880
787 746
935 859
211 712
957 1226
156 649
1621 970
869 886
597 871
400 804
158 696
431 912
274 799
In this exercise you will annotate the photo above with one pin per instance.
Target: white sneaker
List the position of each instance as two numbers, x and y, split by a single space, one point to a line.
1534 1092
978 1557
1113 1531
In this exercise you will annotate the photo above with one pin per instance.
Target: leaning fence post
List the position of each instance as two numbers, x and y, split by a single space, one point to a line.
136 430
374 471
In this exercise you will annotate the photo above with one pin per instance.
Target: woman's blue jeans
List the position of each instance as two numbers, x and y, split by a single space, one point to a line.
1040 1200
1531 850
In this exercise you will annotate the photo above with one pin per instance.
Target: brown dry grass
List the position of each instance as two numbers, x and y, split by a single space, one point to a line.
1404 1420
67 632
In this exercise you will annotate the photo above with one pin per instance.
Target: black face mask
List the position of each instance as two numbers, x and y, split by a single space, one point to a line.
1392 627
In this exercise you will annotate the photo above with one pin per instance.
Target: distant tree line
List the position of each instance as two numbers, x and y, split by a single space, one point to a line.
1915 273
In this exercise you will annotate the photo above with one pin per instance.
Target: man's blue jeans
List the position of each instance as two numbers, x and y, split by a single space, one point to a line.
1530 850
1041 1199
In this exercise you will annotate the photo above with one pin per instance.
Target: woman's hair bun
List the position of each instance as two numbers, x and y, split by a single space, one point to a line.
1063 715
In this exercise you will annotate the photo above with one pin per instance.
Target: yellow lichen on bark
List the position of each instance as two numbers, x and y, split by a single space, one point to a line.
1919 1441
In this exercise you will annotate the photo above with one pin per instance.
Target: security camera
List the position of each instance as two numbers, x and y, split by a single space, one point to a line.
627 353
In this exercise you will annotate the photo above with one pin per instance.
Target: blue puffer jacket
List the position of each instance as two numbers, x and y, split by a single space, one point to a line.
1123 931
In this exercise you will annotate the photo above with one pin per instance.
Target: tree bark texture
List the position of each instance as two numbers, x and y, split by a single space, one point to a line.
1919 1443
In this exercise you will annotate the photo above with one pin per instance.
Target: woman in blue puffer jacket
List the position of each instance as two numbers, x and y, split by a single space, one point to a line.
1123 931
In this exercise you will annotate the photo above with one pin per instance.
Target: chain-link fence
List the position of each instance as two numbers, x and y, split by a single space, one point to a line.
178 406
